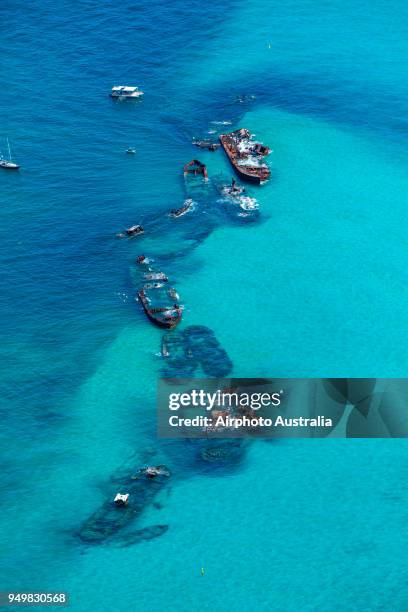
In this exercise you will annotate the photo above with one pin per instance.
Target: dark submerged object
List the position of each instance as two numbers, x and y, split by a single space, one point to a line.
232 190
195 167
179 212
236 188
179 361
140 535
222 452
196 345
244 155
111 518
163 316
205 348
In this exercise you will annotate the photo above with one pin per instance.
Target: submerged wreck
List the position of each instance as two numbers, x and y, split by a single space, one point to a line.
180 362
195 346
179 212
159 305
159 300
202 345
139 490
195 167
246 156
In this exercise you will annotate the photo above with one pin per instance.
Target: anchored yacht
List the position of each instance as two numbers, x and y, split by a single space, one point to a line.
8 163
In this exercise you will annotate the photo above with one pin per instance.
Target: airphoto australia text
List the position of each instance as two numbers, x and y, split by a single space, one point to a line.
231 410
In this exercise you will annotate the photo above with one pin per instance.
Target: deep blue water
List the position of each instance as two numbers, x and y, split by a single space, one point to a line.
313 286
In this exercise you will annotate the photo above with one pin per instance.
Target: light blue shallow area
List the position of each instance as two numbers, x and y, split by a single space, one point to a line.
317 286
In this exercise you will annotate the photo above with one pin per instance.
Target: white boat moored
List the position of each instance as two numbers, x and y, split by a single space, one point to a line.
8 163
123 91
5 163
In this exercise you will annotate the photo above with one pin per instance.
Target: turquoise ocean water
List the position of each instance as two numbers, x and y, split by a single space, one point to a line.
313 286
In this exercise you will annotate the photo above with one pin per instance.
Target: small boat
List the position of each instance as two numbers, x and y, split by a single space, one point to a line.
135 230
206 144
195 167
123 91
179 212
130 151
8 163
246 156
121 499
163 316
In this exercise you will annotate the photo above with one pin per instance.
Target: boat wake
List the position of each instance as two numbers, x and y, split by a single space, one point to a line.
247 203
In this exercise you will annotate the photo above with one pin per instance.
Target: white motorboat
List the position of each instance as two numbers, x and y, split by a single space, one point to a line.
123 91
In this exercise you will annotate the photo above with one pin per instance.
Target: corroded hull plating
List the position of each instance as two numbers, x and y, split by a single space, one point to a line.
155 315
252 174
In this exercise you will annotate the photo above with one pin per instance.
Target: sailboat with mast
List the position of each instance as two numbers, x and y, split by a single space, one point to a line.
8 163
